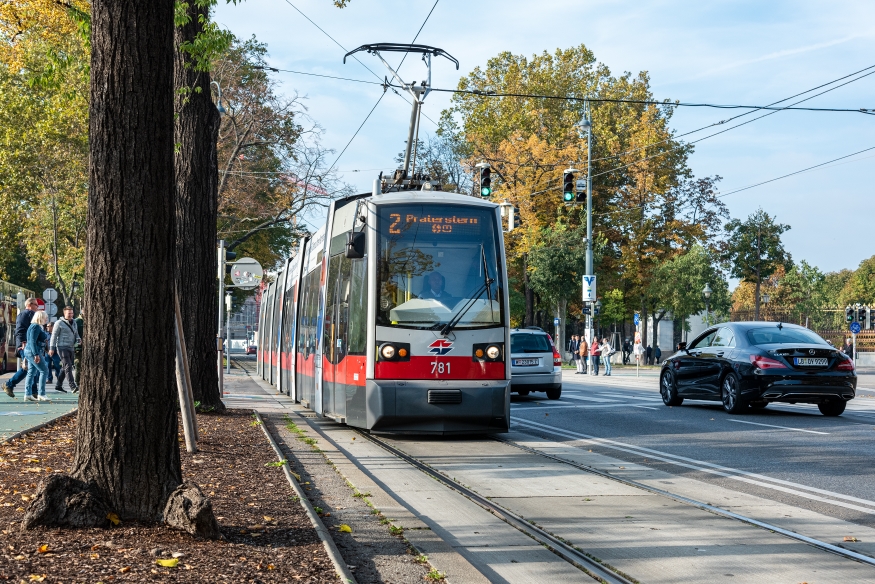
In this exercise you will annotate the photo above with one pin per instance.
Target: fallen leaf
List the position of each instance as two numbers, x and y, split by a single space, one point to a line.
43 548
850 538
125 570
113 518
268 519
271 567
170 563
345 528
20 557
37 577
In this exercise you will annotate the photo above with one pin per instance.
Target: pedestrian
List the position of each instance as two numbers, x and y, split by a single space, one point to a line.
22 322
53 361
35 354
627 351
65 339
638 350
649 355
657 352
574 347
848 348
80 328
595 352
607 351
583 353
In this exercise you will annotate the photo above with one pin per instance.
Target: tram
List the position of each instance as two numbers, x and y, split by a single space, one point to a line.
394 316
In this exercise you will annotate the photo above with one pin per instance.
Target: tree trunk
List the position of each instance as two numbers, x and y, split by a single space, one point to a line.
530 294
197 129
127 433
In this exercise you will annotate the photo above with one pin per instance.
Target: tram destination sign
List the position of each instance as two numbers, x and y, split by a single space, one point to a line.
399 222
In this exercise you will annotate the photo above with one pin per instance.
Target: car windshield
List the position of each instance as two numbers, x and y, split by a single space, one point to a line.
767 336
528 343
438 263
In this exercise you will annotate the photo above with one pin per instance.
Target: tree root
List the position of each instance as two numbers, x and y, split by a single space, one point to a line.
62 501
189 510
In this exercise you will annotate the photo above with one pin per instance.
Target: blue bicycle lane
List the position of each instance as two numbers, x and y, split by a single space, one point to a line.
17 415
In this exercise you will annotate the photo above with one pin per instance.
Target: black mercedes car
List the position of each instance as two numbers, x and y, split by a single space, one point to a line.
752 364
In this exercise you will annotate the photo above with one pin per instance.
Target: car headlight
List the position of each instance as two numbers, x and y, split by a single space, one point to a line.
387 351
493 352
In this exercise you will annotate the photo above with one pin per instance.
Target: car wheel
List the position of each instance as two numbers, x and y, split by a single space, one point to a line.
760 405
522 392
668 391
731 394
832 408
554 393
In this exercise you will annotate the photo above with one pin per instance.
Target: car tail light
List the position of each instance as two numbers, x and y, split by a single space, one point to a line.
761 362
557 358
845 365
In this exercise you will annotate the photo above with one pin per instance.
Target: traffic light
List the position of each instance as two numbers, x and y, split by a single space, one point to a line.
870 315
568 187
485 181
849 314
861 314
581 195
230 256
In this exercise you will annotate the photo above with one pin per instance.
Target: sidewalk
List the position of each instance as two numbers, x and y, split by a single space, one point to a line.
17 415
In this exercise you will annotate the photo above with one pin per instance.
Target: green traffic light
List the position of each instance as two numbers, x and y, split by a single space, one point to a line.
485 191
568 197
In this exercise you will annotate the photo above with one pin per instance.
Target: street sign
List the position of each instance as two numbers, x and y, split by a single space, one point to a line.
555 322
580 185
40 304
50 294
589 289
51 309
637 319
855 328
246 273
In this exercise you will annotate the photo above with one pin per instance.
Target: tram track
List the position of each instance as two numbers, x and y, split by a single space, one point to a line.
569 553
576 556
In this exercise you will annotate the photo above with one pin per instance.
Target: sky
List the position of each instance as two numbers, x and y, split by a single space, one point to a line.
726 52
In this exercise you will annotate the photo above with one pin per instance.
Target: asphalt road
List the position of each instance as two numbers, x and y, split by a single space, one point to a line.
787 453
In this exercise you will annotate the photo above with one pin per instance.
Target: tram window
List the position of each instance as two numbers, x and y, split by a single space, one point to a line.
358 308
434 259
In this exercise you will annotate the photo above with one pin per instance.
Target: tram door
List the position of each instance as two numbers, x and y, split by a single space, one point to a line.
335 336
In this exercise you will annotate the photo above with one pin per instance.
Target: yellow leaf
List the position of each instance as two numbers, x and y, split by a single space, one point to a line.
296 475
268 519
850 538
125 570
271 567
345 528
43 548
37 577
113 518
171 563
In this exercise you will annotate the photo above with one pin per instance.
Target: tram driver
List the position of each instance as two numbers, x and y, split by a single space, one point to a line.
434 289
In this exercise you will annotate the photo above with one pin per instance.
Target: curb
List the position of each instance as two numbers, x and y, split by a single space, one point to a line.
327 541
26 431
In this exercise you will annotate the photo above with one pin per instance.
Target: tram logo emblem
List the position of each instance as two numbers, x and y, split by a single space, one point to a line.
440 347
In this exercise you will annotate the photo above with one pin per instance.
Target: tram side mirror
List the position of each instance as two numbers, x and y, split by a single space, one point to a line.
355 245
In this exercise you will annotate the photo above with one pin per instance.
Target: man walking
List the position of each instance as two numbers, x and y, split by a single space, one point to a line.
22 323
657 352
627 350
65 337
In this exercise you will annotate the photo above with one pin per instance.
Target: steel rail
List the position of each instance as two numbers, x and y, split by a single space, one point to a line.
822 545
565 551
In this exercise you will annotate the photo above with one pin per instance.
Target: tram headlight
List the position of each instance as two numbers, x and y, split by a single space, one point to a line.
493 352
391 351
387 352
488 352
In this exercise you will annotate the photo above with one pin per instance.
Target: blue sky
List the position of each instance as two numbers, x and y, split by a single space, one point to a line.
717 52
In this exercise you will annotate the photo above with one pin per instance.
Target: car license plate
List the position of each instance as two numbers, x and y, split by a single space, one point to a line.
525 362
809 362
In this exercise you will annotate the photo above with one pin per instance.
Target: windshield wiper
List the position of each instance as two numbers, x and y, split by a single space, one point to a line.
458 316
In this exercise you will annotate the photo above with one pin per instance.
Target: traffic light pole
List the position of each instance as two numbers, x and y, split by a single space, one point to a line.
589 216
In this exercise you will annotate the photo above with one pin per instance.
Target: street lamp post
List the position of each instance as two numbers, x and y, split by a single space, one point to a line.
707 293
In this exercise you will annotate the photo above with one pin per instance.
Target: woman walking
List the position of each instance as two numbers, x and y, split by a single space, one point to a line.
607 350
583 352
35 353
595 352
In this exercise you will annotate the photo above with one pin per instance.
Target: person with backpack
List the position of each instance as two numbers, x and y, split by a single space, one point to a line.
595 352
65 337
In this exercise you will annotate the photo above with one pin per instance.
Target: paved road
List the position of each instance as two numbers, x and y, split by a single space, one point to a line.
786 453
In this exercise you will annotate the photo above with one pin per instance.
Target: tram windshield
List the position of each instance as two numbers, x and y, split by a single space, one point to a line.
438 265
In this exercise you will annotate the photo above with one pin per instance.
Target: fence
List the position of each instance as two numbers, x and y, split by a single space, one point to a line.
828 323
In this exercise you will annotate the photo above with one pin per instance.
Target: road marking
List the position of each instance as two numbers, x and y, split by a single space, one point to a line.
588 398
781 427
715 469
645 407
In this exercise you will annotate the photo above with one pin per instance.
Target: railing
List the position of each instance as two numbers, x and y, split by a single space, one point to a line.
9 291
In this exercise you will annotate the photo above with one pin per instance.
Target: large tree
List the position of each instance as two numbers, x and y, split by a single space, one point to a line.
127 441
754 250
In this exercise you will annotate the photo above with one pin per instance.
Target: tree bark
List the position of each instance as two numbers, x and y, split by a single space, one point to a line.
530 294
196 133
127 431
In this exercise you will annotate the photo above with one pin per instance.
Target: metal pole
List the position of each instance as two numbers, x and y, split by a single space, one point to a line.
410 132
219 348
228 332
589 218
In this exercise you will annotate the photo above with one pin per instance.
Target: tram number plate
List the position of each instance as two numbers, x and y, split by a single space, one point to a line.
525 362
440 368
809 362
